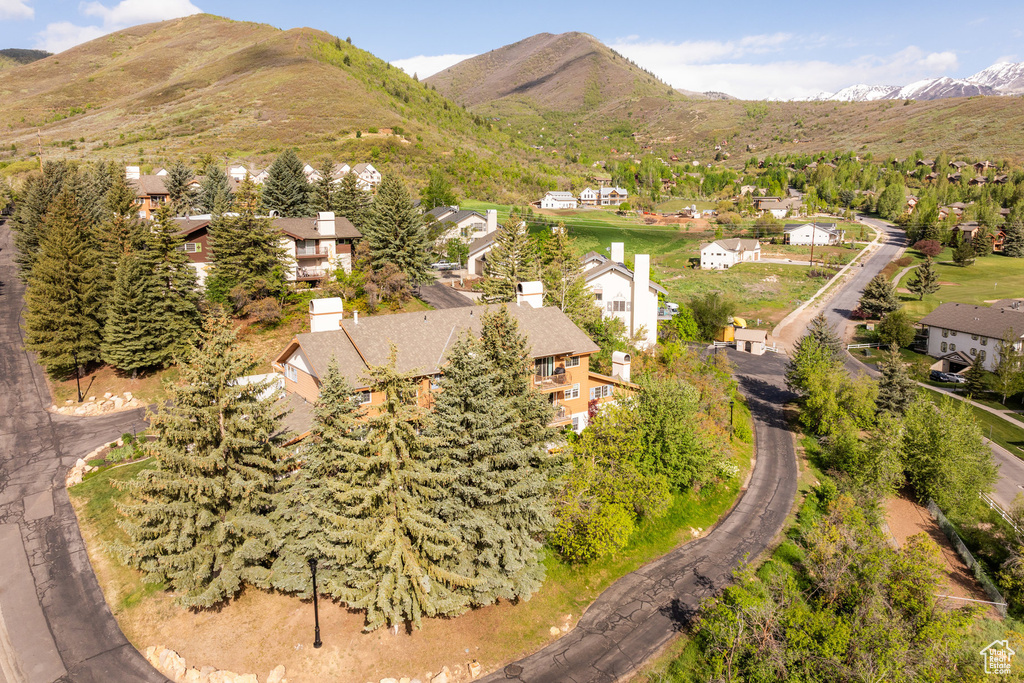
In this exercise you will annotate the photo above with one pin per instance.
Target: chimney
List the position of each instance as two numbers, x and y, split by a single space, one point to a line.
325 314
355 317
531 293
645 302
620 365
492 220
619 252
132 173
325 223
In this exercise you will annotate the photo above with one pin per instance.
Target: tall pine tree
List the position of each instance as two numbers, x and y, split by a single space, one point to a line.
512 260
819 338
286 189
497 499
350 201
896 388
404 550
37 198
324 189
63 301
199 520
564 286
130 335
879 297
180 193
215 191
975 376
1013 241
175 309
309 503
924 280
395 232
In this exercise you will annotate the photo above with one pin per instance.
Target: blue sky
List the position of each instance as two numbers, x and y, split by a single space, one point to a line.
777 50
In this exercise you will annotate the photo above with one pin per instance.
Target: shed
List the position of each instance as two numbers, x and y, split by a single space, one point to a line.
751 341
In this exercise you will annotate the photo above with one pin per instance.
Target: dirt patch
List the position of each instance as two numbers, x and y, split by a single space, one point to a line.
950 284
906 518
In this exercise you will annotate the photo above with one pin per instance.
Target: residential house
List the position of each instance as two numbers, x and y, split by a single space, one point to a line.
983 166
479 248
612 196
195 230
558 200
628 295
462 223
160 171
560 352
237 172
978 180
958 165
602 179
724 254
317 246
312 174
957 333
966 231
369 177
589 197
150 194
930 163
779 208
818 234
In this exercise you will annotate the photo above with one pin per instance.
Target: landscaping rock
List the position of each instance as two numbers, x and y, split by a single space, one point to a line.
128 396
554 631
246 678
223 676
107 395
474 669
91 399
151 653
276 674
118 404
194 676
389 680
404 680
440 678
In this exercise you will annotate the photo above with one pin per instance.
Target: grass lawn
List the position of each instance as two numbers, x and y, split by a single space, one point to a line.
993 427
259 629
990 278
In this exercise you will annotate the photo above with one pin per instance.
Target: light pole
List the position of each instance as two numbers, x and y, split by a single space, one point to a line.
732 402
316 611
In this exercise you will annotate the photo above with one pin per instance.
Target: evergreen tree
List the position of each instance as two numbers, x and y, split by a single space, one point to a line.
309 503
130 337
497 499
879 297
286 189
964 255
324 189
174 312
820 329
975 376
215 191
512 260
1013 244
199 520
438 191
63 299
896 388
507 351
395 232
179 192
37 198
351 202
403 549
564 286
924 280
247 259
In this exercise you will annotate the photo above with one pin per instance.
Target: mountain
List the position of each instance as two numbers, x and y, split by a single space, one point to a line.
545 72
998 79
13 56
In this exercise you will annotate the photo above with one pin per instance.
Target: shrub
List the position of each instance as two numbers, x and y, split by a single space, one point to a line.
266 310
904 261
928 247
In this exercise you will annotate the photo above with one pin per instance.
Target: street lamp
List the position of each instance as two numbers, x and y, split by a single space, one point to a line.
316 610
732 402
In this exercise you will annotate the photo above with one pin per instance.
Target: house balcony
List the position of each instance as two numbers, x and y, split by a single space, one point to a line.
310 273
560 379
309 252
561 416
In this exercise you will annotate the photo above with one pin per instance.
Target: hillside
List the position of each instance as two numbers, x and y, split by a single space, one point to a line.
13 56
565 72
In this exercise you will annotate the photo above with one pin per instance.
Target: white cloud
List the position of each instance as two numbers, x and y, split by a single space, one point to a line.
424 66
15 9
732 67
60 36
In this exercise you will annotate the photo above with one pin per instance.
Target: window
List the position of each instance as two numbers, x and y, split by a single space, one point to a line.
952 347
974 337
572 393
602 391
291 372
619 306
984 341
362 397
545 367
572 362
435 382
983 354
192 247
943 347
576 423
954 333
974 352
945 333
598 296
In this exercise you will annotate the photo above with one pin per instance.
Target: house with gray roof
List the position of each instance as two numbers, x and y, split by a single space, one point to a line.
626 294
818 234
317 246
959 332
560 352
464 224
726 253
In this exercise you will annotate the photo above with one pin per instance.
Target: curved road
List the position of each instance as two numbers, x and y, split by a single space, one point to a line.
54 622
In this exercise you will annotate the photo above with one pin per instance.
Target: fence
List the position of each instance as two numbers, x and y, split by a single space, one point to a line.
979 572
1002 513
862 346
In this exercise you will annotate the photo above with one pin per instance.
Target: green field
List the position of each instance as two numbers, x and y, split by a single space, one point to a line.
988 279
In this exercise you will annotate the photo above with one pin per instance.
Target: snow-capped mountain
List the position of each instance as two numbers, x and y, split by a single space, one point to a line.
998 79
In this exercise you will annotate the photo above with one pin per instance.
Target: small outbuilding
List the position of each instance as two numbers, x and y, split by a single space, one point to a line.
751 341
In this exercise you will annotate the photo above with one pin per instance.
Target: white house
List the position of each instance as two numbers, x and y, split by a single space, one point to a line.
724 254
628 295
959 332
463 223
312 175
237 172
612 196
589 197
369 177
558 200
819 234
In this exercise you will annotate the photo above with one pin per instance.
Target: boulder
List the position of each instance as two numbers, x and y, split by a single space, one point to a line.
194 676
107 395
246 678
223 676
404 680
150 654
554 630
127 395
118 404
440 678
474 669
276 674
389 680
91 398
80 462
172 664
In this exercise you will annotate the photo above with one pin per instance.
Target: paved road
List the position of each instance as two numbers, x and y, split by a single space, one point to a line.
642 611
54 623
441 296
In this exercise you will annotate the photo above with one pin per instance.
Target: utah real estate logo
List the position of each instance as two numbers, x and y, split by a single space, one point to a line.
998 657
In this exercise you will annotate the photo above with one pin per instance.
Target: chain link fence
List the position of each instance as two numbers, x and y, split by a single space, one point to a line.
979 572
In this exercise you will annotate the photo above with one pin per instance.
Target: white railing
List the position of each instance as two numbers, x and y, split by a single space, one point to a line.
862 346
1002 513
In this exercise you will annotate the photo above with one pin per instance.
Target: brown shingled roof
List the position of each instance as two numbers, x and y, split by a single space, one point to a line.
983 320
305 228
148 185
423 339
